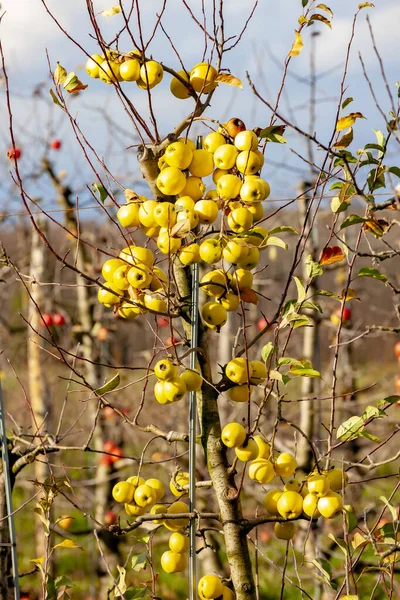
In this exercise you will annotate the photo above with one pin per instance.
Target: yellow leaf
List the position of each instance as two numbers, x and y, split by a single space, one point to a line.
318 17
302 20
110 12
345 140
229 80
67 544
326 9
350 295
297 45
38 561
359 541
365 5
60 74
348 120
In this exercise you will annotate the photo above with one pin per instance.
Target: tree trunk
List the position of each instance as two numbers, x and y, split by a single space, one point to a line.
6 587
37 392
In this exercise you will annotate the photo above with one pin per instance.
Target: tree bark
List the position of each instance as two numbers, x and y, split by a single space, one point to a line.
37 390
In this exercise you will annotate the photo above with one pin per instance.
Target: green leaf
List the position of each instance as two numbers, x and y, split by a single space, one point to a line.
301 290
287 360
337 206
314 269
72 84
376 178
395 171
279 376
326 293
312 306
350 429
267 351
390 507
134 593
55 99
351 518
353 220
101 191
273 134
369 436
120 587
324 568
321 18
275 241
139 561
304 3
109 386
51 592
347 102
360 6
60 74
282 229
374 273
388 400
340 543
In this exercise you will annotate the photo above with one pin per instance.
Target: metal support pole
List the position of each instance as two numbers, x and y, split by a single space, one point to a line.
192 425
8 491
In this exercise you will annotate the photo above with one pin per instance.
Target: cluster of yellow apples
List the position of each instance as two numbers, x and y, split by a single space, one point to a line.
140 497
179 225
133 285
115 66
171 387
245 375
132 66
211 587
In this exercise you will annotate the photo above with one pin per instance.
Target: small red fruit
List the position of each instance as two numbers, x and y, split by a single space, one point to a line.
103 334
397 348
162 321
55 144
14 153
106 460
346 314
109 446
110 517
58 319
109 412
46 319
117 454
171 341
261 323
397 382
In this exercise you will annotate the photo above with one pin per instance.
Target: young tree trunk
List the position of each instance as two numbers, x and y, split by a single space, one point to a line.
6 586
40 408
85 302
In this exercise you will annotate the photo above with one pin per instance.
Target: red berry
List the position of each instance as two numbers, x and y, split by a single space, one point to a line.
55 144
46 319
109 412
162 321
397 348
110 517
14 153
58 319
261 323
109 446
106 460
118 453
171 341
346 314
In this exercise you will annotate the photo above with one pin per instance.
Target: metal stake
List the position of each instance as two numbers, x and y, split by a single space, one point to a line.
8 491
192 425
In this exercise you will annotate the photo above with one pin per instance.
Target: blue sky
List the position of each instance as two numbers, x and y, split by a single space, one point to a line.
27 31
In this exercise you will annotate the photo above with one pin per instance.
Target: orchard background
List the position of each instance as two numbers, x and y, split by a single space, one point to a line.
254 146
